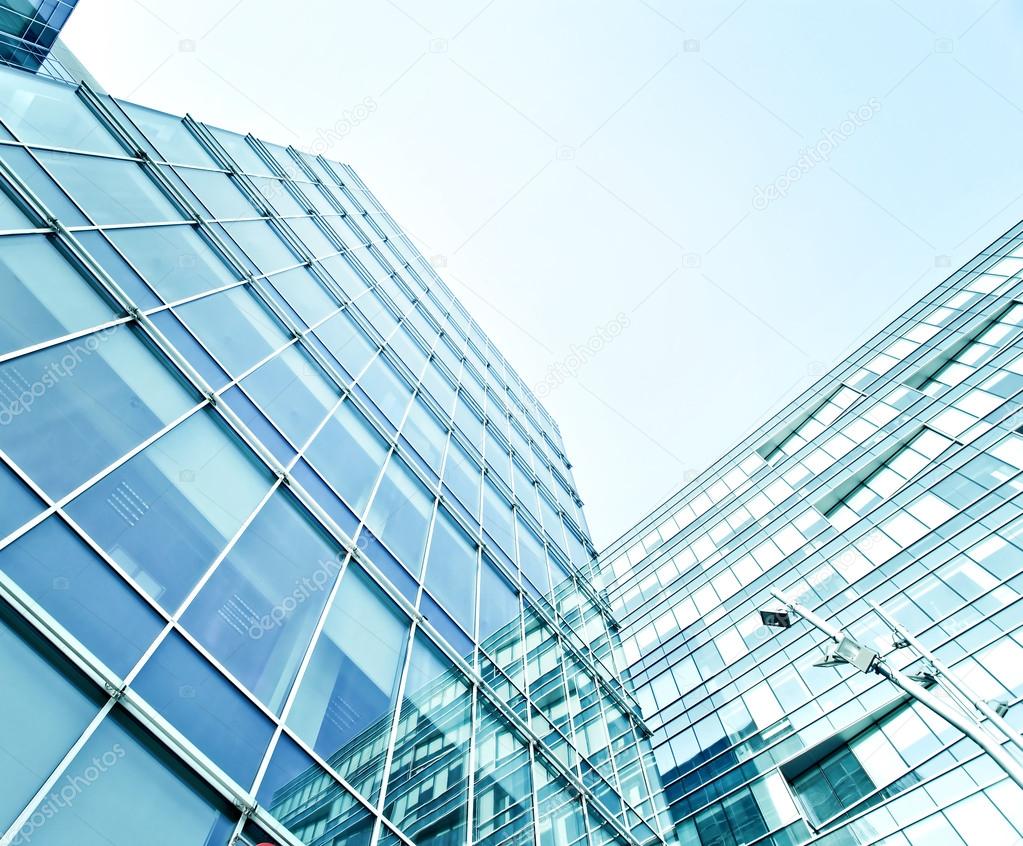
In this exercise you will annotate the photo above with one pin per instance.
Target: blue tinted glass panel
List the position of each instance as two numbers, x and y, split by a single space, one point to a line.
110 191
499 603
40 719
173 259
258 610
166 514
347 342
19 503
349 453
236 327
400 513
388 391
44 112
136 793
309 802
434 715
305 294
36 311
101 250
169 134
451 569
354 671
74 408
204 706
341 270
262 244
293 392
218 192
82 592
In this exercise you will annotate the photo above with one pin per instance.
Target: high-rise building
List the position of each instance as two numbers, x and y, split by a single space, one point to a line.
288 551
29 30
895 479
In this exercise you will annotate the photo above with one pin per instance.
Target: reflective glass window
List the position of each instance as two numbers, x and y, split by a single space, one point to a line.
127 791
39 111
110 190
236 326
72 409
257 612
261 243
175 260
35 310
293 391
349 453
169 134
400 513
451 569
40 719
165 515
204 706
53 566
347 695
427 791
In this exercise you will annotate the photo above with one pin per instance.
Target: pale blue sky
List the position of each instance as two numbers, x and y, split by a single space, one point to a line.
565 162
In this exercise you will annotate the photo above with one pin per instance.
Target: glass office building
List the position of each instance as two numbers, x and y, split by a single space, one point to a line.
896 478
288 551
29 29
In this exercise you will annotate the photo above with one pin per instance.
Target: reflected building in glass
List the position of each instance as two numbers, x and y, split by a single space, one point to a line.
288 551
896 478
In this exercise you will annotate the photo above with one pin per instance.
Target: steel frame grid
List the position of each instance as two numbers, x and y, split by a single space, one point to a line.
160 343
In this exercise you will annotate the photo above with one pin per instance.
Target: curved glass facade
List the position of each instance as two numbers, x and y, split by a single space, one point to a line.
288 551
896 479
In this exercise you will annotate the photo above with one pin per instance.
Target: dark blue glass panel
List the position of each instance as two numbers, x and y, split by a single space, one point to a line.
19 503
85 596
204 706
260 426
446 626
388 564
325 497
185 343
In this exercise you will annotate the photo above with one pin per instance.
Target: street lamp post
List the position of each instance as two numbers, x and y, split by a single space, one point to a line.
847 650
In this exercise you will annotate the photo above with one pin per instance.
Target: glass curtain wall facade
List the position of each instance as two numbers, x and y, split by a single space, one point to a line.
896 478
28 30
288 551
